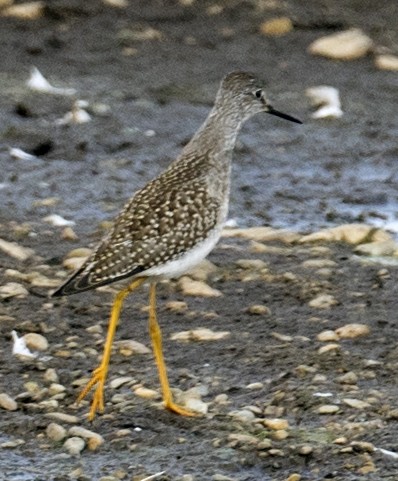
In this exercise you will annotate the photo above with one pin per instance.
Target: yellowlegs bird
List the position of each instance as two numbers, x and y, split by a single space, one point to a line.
172 223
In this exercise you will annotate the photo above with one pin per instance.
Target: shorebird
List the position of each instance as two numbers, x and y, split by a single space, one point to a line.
172 223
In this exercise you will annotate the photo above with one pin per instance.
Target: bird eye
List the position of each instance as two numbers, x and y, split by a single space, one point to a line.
258 93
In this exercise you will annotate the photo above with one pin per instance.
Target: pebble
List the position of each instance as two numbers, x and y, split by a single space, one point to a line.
73 263
356 403
262 234
146 393
16 251
306 450
190 287
255 385
120 381
348 45
222 477
327 336
13 289
264 444
55 389
74 445
24 11
349 233
94 440
329 348
223 399
276 424
323 301
379 248
318 263
203 270
128 347
276 27
259 310
66 418
35 341
387 62
348 378
280 435
176 306
294 477
351 331
252 264
68 234
200 334
55 432
196 405
7 402
239 439
243 415
328 409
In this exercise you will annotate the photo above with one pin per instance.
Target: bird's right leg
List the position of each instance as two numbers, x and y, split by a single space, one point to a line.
99 374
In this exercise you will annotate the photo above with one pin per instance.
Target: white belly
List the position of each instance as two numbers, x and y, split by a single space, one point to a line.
186 262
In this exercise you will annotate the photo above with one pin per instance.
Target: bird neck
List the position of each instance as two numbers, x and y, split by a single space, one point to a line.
218 133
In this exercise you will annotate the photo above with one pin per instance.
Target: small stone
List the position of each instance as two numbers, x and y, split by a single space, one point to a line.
276 452
387 62
73 263
55 432
348 378
294 477
120 381
276 27
379 248
306 450
146 393
351 331
25 11
200 334
223 399
196 405
255 385
282 337
130 347
238 438
66 418
243 415
14 250
259 310
74 445
189 287
51 375
203 270
264 444
79 252
7 402
349 233
94 440
323 301
68 234
221 477
318 263
280 435
356 403
341 440
252 264
13 289
329 348
328 409
327 336
348 45
176 306
263 234
276 424
35 341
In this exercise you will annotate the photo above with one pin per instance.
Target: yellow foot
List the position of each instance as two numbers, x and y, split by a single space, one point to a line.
97 404
175 408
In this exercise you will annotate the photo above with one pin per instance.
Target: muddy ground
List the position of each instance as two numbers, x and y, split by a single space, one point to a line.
146 98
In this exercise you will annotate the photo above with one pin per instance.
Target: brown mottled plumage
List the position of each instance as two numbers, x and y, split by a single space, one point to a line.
175 220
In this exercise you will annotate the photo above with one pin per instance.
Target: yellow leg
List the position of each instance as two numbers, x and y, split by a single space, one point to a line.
99 374
156 337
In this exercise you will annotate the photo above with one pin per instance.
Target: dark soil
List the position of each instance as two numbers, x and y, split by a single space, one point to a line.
146 99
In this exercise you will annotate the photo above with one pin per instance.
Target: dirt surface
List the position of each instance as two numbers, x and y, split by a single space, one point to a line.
148 91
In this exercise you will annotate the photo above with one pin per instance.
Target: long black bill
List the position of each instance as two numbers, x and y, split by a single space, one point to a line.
272 111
